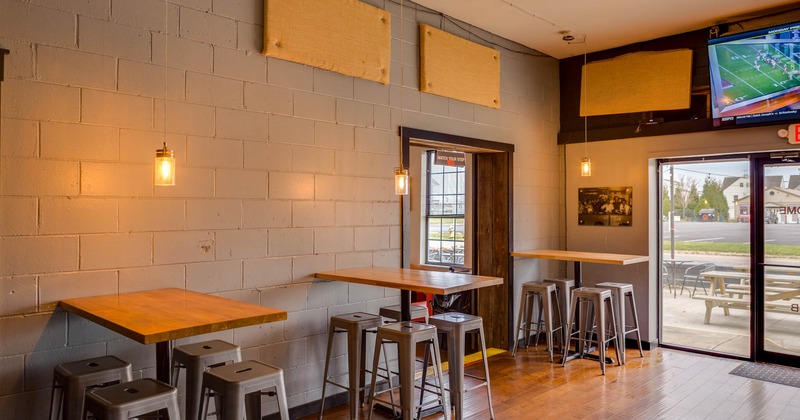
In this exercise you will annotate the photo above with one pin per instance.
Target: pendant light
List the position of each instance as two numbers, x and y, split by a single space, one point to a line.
164 167
401 173
400 181
586 163
164 164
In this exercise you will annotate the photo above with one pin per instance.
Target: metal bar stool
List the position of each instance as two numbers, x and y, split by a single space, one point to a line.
71 380
393 312
407 335
132 399
455 326
240 387
594 322
549 309
356 325
564 289
624 292
196 358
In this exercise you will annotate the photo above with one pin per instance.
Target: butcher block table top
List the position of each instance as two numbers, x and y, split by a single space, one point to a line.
436 282
154 316
582 256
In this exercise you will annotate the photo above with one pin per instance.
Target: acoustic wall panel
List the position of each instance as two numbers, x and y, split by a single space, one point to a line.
345 36
458 68
637 82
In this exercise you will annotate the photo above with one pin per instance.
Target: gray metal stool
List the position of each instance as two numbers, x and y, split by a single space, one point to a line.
356 325
132 399
564 289
456 325
620 292
71 380
597 321
240 387
407 335
548 307
393 312
196 358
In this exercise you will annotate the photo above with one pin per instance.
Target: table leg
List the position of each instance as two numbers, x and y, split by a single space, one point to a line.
164 361
405 305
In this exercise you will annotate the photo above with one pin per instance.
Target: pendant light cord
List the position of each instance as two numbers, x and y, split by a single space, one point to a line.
166 67
585 102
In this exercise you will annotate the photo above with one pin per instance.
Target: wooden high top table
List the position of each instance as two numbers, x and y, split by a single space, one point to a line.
579 257
407 280
162 315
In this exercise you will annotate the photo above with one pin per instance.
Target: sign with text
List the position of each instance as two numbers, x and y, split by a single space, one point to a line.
450 158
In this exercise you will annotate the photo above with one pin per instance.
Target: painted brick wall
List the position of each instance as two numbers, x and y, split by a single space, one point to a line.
283 170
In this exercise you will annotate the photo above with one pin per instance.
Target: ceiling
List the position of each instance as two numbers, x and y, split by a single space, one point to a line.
539 24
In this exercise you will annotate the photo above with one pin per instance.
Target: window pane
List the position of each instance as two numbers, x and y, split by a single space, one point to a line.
451 183
436 186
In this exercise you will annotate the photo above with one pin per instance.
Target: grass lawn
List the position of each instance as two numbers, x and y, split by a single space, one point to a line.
771 250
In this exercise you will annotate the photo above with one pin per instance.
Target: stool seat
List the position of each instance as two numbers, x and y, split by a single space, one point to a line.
356 325
393 312
70 381
240 386
621 293
196 358
132 399
455 326
549 310
600 321
407 335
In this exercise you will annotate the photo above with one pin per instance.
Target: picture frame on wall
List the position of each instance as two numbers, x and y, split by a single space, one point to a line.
605 206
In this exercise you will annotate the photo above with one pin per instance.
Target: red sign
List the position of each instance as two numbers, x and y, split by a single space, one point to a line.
793 134
450 158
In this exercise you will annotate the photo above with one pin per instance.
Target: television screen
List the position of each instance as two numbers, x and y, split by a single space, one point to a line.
755 76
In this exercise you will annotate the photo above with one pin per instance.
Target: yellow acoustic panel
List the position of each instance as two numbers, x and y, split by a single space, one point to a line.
637 82
457 68
345 36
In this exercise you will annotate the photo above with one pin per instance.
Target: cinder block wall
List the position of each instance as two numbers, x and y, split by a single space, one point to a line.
283 170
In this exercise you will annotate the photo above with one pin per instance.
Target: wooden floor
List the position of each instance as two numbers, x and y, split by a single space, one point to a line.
665 384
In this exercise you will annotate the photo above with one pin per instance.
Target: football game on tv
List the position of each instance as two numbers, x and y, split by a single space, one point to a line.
755 76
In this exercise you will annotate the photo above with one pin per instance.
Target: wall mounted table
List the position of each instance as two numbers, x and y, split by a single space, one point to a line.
162 315
408 280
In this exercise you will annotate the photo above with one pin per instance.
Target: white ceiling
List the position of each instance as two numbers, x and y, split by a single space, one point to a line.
605 23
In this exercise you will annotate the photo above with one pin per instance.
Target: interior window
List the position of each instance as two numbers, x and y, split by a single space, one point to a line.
445 206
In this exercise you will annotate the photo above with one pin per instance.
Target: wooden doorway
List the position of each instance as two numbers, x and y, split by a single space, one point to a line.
493 222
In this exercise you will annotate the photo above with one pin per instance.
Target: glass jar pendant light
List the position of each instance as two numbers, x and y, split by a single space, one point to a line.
400 181
164 167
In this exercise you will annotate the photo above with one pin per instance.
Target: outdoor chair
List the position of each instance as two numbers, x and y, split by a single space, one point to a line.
695 273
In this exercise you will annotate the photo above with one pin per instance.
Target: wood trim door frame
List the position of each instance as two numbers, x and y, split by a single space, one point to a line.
417 137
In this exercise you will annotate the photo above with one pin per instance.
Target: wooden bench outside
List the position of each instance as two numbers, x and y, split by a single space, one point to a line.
727 303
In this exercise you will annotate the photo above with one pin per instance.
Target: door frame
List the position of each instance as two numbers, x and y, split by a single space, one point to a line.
413 136
756 162
757 256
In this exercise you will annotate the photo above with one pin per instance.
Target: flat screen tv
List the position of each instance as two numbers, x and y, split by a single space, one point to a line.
755 76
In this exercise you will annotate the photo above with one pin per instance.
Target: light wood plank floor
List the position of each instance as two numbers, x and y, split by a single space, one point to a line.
665 384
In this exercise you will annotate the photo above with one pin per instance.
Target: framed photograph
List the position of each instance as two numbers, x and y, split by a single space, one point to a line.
605 206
